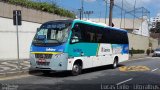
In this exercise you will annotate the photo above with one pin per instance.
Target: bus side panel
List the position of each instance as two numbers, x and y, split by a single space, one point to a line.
84 51
124 57
97 54
87 62
121 50
104 54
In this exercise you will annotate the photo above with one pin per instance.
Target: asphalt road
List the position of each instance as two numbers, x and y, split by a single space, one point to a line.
142 74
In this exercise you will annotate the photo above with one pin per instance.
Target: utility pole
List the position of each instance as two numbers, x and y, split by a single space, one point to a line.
142 22
80 13
121 15
82 8
110 12
99 16
105 10
134 13
88 13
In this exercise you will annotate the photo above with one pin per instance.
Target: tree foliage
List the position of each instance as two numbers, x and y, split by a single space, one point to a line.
156 29
43 6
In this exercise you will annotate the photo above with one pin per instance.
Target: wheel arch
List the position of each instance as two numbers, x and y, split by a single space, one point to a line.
78 61
116 58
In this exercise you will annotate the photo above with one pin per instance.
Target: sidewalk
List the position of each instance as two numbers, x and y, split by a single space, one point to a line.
136 56
10 67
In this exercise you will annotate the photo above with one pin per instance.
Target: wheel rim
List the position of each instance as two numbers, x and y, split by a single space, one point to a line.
76 68
115 64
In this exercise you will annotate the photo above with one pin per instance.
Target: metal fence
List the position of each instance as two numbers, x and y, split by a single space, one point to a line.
126 15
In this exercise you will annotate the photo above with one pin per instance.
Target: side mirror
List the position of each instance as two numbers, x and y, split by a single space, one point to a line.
38 29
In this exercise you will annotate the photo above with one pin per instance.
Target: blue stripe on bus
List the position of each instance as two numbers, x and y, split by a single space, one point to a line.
58 48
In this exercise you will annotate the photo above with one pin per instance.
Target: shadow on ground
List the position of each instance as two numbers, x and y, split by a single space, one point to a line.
68 73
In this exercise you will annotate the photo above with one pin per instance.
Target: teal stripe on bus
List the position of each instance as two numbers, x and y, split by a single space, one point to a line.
88 49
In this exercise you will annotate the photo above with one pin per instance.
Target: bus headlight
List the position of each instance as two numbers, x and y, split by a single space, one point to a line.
58 55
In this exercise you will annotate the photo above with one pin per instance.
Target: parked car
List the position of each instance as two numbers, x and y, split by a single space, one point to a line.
156 52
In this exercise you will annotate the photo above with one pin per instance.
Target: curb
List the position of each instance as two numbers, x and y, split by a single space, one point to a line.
134 58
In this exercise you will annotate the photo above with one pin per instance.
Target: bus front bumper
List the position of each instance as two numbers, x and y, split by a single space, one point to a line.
55 63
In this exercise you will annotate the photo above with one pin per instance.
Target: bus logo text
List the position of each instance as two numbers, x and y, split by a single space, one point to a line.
50 49
105 50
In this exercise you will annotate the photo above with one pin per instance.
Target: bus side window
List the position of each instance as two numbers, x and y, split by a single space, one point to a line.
106 35
92 36
88 37
76 35
84 33
98 34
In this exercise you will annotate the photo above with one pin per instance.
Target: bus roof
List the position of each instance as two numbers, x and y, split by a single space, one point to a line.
67 20
87 22
99 24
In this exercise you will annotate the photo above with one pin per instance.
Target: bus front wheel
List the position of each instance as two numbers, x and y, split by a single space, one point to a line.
76 70
46 72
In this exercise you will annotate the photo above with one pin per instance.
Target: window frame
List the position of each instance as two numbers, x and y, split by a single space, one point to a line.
108 35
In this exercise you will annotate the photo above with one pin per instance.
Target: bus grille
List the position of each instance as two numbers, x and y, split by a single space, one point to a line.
44 63
45 56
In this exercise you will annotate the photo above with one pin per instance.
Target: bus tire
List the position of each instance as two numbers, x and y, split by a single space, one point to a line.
115 63
76 69
46 72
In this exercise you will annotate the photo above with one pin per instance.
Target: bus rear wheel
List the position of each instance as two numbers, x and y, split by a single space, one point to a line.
115 63
76 70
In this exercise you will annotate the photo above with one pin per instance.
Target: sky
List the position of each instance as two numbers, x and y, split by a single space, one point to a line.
98 6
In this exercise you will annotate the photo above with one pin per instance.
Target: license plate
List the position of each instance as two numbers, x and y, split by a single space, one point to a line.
41 60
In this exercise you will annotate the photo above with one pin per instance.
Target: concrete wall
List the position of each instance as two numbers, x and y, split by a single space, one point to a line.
154 42
8 41
28 14
141 42
32 19
126 23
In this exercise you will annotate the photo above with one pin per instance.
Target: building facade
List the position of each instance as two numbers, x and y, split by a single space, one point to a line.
136 26
154 20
